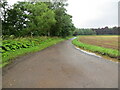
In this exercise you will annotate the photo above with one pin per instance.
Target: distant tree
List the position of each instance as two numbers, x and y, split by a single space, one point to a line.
107 31
84 32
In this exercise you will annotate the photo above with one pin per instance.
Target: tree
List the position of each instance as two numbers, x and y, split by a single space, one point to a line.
41 18
17 19
4 7
37 19
63 26
84 32
26 18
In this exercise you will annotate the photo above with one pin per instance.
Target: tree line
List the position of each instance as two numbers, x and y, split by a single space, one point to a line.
99 31
107 31
84 32
36 19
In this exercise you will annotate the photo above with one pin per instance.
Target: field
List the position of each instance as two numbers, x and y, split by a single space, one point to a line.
102 41
103 45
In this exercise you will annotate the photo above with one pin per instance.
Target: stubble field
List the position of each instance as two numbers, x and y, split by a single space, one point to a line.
104 45
102 41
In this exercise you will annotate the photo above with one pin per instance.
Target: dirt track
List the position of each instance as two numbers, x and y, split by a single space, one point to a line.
61 66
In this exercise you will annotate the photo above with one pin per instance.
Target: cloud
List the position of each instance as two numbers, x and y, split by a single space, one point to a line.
93 13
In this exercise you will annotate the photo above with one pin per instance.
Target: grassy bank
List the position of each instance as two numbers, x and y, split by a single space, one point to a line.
13 48
97 49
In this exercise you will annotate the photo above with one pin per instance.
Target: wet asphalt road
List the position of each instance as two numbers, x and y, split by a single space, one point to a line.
61 66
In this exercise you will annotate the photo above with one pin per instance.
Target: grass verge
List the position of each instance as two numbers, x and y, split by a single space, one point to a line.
96 49
20 52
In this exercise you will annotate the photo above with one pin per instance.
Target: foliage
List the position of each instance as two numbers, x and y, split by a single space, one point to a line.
84 32
36 19
13 48
107 31
42 19
63 26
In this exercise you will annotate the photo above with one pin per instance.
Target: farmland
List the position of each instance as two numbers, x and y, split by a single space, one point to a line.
102 41
103 45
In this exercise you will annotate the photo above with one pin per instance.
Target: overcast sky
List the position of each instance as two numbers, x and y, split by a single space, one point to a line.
92 13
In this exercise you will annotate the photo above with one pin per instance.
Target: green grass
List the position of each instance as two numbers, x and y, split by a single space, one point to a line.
11 55
96 49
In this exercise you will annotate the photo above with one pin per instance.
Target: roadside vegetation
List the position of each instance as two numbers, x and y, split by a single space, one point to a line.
103 45
13 48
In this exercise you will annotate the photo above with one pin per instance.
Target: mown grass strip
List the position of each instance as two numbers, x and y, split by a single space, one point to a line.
96 49
13 54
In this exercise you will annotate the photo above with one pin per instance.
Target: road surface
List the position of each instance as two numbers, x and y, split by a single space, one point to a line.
61 66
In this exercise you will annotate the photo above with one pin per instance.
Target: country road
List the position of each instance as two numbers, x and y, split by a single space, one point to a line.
61 66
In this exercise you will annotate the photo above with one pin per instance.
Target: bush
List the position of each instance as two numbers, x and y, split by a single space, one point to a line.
19 43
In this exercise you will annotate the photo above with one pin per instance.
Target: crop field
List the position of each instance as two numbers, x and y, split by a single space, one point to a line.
102 41
103 45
